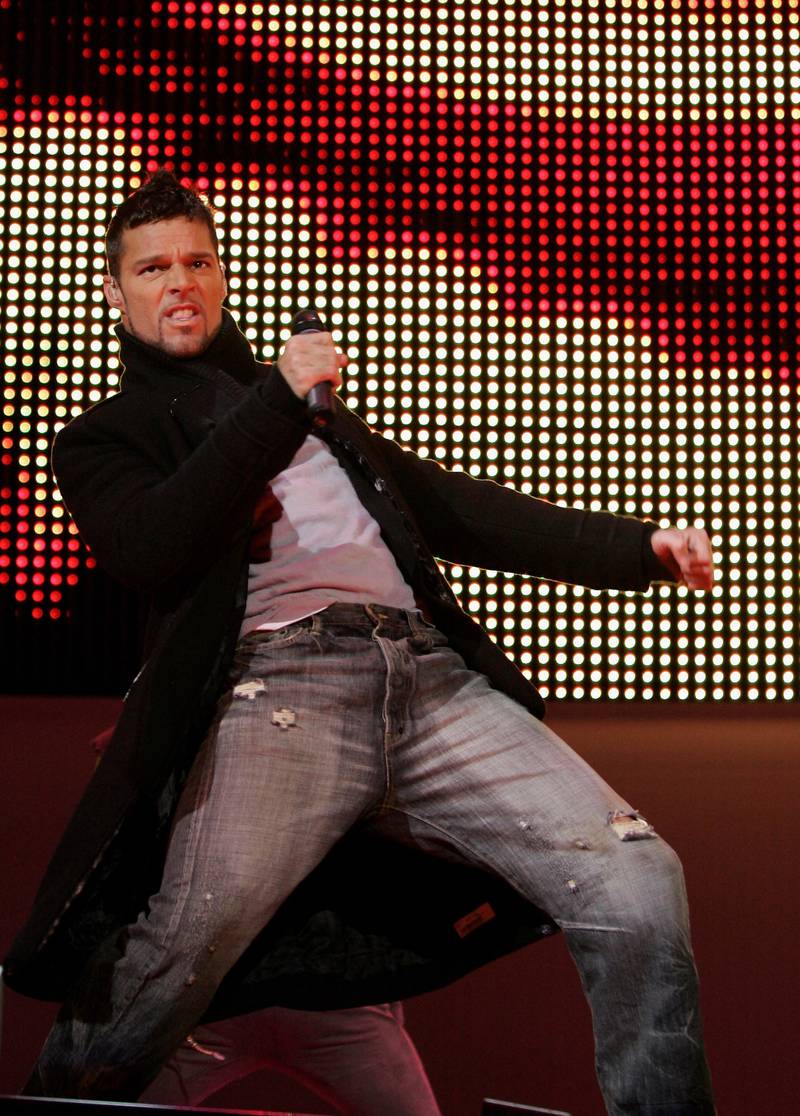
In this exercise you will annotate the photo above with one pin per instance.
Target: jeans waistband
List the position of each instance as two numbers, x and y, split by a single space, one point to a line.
364 619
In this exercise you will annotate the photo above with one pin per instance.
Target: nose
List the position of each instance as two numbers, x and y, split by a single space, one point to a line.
180 278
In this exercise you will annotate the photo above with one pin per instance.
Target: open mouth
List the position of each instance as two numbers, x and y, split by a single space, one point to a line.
182 315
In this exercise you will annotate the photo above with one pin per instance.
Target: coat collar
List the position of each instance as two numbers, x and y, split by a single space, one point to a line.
228 361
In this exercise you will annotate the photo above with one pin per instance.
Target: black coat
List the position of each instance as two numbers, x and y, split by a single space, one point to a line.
162 479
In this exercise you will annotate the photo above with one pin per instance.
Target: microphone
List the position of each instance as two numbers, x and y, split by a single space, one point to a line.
320 398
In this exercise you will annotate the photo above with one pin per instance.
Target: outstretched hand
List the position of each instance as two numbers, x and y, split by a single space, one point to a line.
687 554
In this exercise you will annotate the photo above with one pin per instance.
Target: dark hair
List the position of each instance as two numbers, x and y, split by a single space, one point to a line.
160 198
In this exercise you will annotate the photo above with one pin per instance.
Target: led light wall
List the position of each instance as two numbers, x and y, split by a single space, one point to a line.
557 239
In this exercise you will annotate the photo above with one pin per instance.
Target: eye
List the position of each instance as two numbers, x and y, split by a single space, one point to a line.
198 264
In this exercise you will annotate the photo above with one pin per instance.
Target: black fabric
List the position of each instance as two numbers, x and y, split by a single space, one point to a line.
228 361
162 480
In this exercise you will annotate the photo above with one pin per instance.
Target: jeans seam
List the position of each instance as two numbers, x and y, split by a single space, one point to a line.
191 848
387 766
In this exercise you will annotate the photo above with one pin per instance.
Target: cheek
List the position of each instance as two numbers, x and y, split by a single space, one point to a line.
215 302
143 310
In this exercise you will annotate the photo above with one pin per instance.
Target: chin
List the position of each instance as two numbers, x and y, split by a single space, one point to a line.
185 346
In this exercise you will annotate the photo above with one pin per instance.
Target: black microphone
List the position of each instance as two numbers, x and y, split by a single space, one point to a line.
320 398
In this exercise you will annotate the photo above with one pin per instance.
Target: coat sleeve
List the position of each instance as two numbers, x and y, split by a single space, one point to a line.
149 516
480 523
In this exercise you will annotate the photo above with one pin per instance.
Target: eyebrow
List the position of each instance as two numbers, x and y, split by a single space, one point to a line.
201 254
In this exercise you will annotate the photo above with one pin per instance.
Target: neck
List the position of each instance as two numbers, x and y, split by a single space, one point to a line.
228 351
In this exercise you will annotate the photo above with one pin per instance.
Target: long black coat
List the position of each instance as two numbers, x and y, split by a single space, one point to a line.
162 480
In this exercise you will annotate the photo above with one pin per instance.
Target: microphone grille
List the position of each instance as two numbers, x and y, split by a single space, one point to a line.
307 321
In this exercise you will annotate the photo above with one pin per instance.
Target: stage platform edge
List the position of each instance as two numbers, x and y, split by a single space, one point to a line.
57 1106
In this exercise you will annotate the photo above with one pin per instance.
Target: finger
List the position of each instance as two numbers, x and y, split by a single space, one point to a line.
695 567
698 545
698 575
703 573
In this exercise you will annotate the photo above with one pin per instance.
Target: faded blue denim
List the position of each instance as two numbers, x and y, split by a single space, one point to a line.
364 712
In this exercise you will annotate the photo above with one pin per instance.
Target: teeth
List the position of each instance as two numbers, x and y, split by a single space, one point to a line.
182 315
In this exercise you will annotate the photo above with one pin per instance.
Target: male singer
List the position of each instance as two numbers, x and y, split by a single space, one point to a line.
311 691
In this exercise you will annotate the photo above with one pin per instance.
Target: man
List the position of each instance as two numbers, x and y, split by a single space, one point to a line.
340 737
360 1061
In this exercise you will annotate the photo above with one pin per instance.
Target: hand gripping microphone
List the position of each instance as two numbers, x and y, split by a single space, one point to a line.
320 398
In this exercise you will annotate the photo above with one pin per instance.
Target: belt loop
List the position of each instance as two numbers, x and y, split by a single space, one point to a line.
373 614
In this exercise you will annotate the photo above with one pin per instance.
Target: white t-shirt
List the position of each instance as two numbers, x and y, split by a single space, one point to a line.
325 547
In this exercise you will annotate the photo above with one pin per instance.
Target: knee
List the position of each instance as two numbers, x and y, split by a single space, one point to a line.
235 906
650 893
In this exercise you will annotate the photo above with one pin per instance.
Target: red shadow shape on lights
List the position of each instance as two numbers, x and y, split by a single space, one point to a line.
680 225
40 568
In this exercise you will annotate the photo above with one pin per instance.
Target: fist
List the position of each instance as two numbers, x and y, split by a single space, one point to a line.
687 554
308 359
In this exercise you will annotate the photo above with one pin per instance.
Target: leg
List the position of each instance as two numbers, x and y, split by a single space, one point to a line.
205 1062
360 1060
276 783
474 772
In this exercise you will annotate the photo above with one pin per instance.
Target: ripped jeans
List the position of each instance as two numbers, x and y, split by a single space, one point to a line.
364 712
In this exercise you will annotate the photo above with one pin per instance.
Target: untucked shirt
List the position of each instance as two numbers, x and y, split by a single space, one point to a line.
324 546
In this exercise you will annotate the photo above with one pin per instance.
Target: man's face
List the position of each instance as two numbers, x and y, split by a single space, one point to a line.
171 285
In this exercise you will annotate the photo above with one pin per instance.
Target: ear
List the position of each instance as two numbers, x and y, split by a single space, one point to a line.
224 280
113 293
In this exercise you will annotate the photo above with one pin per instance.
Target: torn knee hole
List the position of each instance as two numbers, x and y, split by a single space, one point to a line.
630 826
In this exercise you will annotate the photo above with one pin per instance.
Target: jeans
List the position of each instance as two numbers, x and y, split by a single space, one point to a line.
363 713
360 1060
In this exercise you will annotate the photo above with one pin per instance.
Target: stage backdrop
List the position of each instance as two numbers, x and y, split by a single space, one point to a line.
558 240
